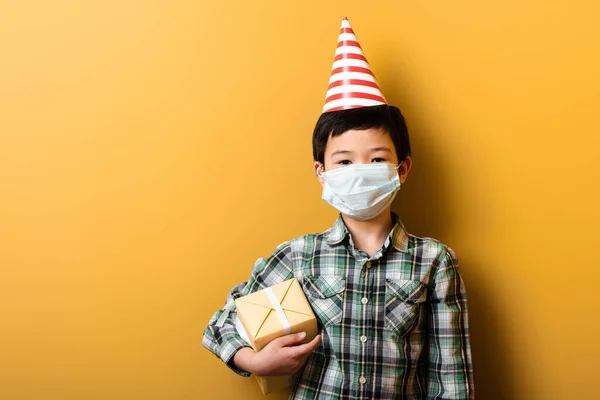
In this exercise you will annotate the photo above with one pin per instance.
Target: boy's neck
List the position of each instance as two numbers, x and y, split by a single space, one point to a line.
369 236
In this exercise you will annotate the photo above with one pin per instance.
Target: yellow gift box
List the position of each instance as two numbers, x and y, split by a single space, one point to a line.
273 312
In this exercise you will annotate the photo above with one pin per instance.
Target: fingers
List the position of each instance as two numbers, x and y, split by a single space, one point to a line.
305 349
290 340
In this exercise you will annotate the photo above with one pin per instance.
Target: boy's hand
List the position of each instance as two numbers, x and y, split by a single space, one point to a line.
283 356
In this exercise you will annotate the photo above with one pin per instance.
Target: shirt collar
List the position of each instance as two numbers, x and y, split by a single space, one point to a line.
399 237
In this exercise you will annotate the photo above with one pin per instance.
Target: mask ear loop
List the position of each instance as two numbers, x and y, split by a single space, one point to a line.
397 168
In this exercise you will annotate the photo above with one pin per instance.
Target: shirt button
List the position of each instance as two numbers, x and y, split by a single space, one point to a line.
363 338
362 380
364 300
368 264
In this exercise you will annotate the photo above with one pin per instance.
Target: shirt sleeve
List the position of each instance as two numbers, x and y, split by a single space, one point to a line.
450 369
222 339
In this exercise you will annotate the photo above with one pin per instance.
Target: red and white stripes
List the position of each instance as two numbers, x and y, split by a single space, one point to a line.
352 84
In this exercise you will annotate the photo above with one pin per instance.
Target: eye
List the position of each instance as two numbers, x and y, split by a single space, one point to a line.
344 162
378 159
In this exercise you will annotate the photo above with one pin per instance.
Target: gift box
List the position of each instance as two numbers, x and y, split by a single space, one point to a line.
270 313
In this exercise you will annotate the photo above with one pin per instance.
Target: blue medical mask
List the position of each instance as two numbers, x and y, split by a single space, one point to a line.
361 191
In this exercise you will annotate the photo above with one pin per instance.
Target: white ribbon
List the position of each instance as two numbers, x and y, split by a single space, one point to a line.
241 331
287 329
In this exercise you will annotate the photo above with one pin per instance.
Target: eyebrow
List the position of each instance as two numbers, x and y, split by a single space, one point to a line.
340 152
380 148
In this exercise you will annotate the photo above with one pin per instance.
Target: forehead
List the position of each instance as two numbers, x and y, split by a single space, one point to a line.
356 140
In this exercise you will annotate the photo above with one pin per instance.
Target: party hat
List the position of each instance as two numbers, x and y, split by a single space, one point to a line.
352 83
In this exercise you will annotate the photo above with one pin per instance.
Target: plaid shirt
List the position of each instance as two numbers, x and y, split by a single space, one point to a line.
393 325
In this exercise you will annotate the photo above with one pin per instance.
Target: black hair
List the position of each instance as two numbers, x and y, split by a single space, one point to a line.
334 123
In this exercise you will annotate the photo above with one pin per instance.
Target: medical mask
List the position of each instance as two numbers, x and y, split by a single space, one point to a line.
361 191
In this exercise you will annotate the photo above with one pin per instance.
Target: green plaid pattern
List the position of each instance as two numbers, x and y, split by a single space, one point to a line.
394 325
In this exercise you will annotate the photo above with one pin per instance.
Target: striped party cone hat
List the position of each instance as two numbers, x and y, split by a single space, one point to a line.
352 83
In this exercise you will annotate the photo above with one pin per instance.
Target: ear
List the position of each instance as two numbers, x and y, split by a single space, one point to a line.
317 166
405 169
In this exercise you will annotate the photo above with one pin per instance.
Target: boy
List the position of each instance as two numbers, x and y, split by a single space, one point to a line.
391 307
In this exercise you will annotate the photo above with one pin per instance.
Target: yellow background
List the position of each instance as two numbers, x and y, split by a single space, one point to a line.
151 151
